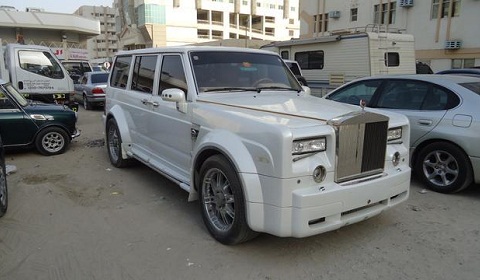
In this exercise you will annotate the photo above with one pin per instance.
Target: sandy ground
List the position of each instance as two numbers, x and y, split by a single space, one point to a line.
74 216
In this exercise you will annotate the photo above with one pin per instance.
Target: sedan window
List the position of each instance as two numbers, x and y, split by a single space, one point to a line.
352 94
402 94
475 87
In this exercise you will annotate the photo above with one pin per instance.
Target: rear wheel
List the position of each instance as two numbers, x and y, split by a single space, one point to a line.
444 168
52 141
3 188
223 203
86 104
114 145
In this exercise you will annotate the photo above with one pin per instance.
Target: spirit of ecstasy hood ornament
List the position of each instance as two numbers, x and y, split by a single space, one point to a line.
362 104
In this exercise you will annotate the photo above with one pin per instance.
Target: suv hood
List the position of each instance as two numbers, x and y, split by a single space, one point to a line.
284 103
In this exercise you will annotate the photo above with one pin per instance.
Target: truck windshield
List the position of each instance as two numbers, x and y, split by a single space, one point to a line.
235 71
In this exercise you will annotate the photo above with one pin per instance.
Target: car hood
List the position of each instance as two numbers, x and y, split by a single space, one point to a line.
43 108
289 104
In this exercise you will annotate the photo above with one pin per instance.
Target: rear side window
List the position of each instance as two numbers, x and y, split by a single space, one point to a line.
144 73
173 75
120 71
475 87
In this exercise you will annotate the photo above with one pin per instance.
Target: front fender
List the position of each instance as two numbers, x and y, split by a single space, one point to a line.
232 147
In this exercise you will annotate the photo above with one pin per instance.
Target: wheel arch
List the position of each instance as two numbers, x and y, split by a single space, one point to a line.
118 115
425 143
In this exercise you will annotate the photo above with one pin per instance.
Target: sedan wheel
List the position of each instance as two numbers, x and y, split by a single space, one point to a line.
114 145
52 141
86 104
444 168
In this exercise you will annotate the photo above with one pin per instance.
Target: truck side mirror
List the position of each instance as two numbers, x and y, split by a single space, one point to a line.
175 95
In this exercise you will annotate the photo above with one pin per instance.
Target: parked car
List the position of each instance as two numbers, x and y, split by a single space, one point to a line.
3 182
26 123
444 122
91 89
76 68
475 72
235 129
296 70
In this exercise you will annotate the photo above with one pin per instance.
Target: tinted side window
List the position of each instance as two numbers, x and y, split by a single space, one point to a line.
352 94
5 102
144 73
403 94
173 75
310 59
41 63
120 71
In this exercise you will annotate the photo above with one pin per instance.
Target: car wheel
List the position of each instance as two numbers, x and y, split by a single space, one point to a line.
86 104
114 145
3 188
222 202
52 141
444 168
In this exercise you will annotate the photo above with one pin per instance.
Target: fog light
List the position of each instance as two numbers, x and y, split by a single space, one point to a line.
319 174
396 158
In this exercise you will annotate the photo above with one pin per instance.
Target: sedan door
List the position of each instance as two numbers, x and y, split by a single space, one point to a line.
423 103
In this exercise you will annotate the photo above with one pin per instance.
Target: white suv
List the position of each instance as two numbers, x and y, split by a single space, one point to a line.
234 128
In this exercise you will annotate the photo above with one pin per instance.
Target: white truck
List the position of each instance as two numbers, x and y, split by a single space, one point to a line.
330 61
35 72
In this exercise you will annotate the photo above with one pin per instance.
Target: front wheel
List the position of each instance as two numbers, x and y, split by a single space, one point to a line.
52 141
222 202
444 168
114 145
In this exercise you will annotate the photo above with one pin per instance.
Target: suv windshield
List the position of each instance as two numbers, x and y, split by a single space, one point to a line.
234 71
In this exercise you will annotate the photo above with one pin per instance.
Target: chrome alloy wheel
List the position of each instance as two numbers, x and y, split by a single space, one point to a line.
53 142
218 199
113 142
440 168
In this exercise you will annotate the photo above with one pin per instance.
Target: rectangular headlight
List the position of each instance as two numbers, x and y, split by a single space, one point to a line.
394 133
314 145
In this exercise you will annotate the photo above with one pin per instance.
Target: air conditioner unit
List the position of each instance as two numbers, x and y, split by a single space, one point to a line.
405 3
334 14
453 44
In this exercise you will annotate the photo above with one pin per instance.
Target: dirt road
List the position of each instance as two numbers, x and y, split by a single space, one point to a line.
74 216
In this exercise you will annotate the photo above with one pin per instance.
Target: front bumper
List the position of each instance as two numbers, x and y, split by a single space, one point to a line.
75 133
326 207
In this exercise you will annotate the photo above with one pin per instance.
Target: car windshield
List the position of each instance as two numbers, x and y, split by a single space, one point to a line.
217 71
475 87
100 78
17 95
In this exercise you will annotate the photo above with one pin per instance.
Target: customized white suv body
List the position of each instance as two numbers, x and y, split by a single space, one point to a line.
235 129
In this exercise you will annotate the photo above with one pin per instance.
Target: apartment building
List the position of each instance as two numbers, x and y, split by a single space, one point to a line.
102 47
152 23
445 31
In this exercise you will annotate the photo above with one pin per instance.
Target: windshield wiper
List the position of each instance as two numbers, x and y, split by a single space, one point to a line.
231 89
259 89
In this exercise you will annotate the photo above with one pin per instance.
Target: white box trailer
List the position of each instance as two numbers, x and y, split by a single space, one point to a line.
330 61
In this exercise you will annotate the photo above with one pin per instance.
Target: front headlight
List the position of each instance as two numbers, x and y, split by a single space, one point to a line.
394 133
304 146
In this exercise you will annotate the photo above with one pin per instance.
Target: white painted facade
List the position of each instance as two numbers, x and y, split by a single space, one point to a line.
431 32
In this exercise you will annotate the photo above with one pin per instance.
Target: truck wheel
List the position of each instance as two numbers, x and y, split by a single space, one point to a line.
3 188
444 168
52 141
223 203
114 145
86 104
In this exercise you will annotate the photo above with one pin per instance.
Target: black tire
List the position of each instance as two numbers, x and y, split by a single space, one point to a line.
52 141
222 202
444 168
86 104
114 145
3 186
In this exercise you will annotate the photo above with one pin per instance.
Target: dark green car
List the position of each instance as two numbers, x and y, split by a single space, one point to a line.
24 123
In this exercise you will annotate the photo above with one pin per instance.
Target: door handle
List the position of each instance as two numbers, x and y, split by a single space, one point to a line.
425 122
146 102
155 104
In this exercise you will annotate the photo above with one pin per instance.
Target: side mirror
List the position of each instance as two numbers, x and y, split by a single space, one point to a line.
307 90
175 95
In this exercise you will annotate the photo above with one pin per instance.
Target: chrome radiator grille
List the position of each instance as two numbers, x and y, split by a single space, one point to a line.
361 145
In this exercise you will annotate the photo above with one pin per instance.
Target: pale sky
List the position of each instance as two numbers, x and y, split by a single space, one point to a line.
56 6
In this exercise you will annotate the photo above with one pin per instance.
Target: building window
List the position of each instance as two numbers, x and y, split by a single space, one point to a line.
244 3
259 4
320 25
353 14
445 8
392 59
291 21
463 63
291 33
384 13
292 9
